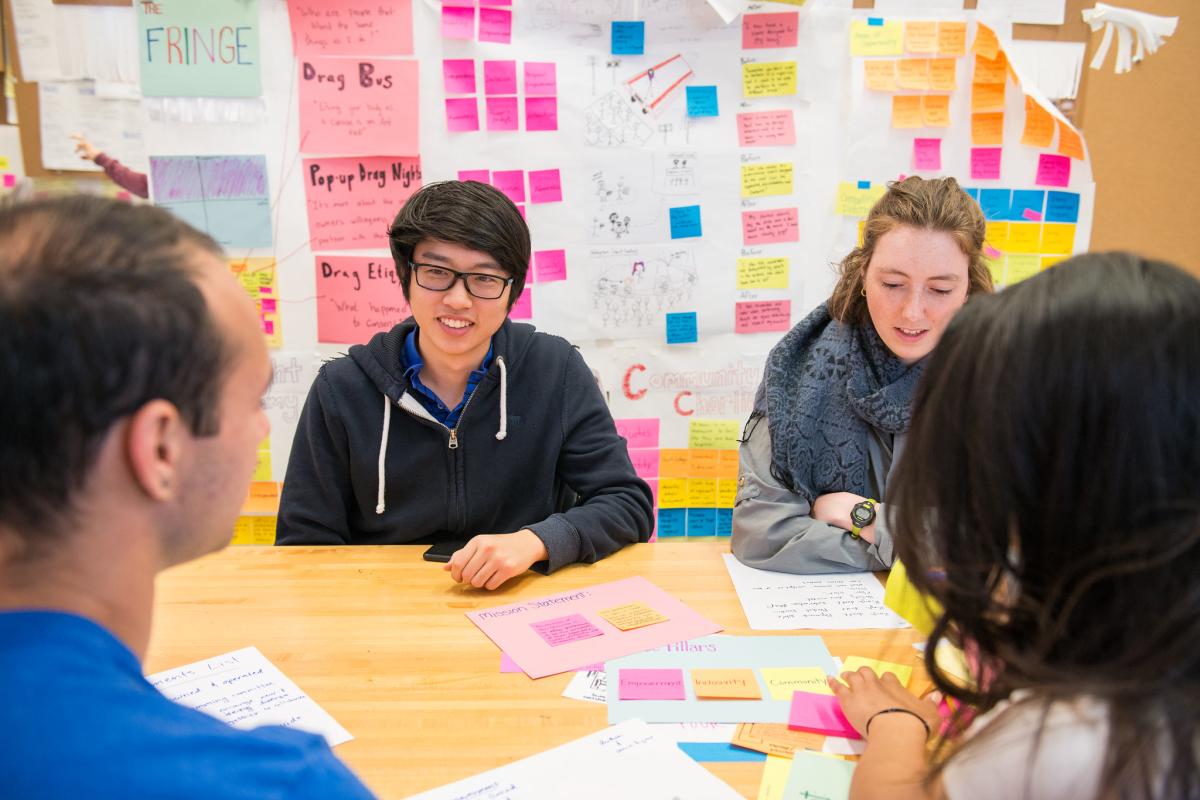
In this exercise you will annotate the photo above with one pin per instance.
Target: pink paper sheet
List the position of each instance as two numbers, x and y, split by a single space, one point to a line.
820 713
358 107
351 27
351 201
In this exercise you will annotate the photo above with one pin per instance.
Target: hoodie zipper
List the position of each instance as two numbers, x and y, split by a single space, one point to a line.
453 443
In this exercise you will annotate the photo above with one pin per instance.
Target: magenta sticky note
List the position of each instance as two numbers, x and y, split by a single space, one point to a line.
268 305
268 327
564 630
495 25
645 462
639 432
1053 170
1031 215
521 210
502 114
459 75
462 114
500 77
10 180
991 252
985 163
481 175
550 265
927 154
511 182
523 308
540 78
820 713
545 186
458 22
541 113
651 684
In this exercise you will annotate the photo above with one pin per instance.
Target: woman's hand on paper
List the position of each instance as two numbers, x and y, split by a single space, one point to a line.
490 559
864 694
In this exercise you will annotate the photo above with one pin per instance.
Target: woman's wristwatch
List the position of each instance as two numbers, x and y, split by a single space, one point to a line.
862 515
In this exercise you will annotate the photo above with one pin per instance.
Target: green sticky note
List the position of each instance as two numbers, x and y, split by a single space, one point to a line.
190 49
818 775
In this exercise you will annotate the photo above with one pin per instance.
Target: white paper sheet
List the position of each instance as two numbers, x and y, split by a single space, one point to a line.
247 691
1053 67
1031 12
112 124
589 685
777 601
37 43
626 760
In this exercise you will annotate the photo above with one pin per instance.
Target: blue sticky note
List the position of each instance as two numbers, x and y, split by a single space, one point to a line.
875 22
702 101
1062 207
724 522
672 522
1026 200
973 194
685 222
628 38
681 328
864 184
702 522
719 751
996 203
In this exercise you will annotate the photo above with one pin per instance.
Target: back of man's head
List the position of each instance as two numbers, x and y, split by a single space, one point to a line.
100 313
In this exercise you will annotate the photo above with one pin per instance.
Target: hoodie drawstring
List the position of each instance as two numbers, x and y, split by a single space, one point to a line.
380 505
503 432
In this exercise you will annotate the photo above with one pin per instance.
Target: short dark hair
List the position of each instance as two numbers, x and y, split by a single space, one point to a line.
466 213
1049 499
99 314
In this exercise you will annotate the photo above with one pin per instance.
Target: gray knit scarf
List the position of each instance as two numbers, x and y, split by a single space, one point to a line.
824 383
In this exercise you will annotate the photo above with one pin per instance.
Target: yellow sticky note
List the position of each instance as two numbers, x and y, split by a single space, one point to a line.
254 530
902 597
990 70
986 43
704 464
1039 124
762 273
862 224
775 775
902 671
1050 261
726 492
674 463
880 74
996 234
920 37
876 40
3 162
727 464
1058 238
763 180
1023 237
262 467
906 111
632 615
943 74
783 681
718 434
996 267
1069 141
952 38
672 492
702 493
987 97
257 276
913 73
853 201
770 79
987 128
1021 267
725 684
935 110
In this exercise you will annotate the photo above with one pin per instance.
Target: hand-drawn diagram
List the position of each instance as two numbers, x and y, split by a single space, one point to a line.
675 173
633 287
612 121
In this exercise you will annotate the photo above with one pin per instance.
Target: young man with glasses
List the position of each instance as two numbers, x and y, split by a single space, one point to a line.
458 425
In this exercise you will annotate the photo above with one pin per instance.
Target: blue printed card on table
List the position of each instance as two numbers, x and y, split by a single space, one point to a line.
685 222
224 196
682 328
702 101
628 38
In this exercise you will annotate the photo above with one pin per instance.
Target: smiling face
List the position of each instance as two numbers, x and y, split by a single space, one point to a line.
915 283
456 327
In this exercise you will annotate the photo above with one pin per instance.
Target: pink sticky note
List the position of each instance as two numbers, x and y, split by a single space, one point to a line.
820 713
462 114
1031 215
651 684
500 77
645 462
770 30
269 306
766 128
992 252
10 180
508 665
458 22
550 265
639 432
521 210
495 2
564 630
1053 170
757 316
268 327
985 163
540 78
773 225
927 154
502 114
358 106
495 25
351 201
541 113
511 182
523 308
351 28
459 75
357 297
481 175
545 186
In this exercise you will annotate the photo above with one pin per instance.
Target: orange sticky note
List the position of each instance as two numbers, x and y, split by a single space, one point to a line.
935 110
727 464
632 615
880 74
913 73
673 463
986 43
952 38
1039 125
987 97
920 37
987 128
1069 142
990 70
703 464
906 111
726 684
943 74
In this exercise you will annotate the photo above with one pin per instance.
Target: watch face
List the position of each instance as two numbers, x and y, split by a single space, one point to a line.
862 514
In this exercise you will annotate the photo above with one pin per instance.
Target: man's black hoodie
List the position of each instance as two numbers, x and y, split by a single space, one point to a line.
535 424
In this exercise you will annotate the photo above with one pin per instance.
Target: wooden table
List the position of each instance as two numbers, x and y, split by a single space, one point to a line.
378 637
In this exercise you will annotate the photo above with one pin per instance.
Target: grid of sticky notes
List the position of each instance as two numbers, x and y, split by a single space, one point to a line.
737 683
257 277
558 631
1028 230
911 56
502 101
494 23
256 525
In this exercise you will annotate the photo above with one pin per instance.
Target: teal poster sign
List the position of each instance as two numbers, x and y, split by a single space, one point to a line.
199 49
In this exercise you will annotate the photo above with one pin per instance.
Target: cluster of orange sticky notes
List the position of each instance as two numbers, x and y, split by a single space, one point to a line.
1069 141
632 615
906 111
725 684
986 43
1039 124
987 128
990 70
987 97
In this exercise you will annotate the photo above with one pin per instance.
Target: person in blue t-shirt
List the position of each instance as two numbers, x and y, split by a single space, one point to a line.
133 371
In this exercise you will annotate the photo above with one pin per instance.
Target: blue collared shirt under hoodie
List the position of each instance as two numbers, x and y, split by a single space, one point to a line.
413 364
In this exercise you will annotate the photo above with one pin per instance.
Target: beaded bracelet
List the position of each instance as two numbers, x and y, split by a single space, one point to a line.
919 718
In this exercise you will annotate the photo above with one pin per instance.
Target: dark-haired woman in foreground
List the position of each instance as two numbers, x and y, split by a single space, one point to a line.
1049 499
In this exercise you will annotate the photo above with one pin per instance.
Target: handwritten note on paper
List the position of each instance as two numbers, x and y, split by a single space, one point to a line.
986 44
246 691
880 74
540 78
920 36
628 38
987 97
714 434
987 128
458 22
458 75
1053 170
541 113
651 684
645 463
943 74
358 107
550 265
762 180
564 630
856 199
766 128
935 110
500 77
462 114
545 186
702 101
913 73
952 38
495 25
701 493
1062 207
990 70
927 154
351 201
685 222
523 308
816 775
631 615
762 273
674 462
357 297
681 327
351 27
208 49
672 493
783 682
985 163
762 316
770 30
502 114
876 37
1039 124
1070 143
725 684
640 432
771 79
770 226
1023 237
774 601
588 685
1058 238
906 111
225 196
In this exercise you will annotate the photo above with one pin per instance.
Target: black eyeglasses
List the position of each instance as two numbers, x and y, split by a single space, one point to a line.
441 279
